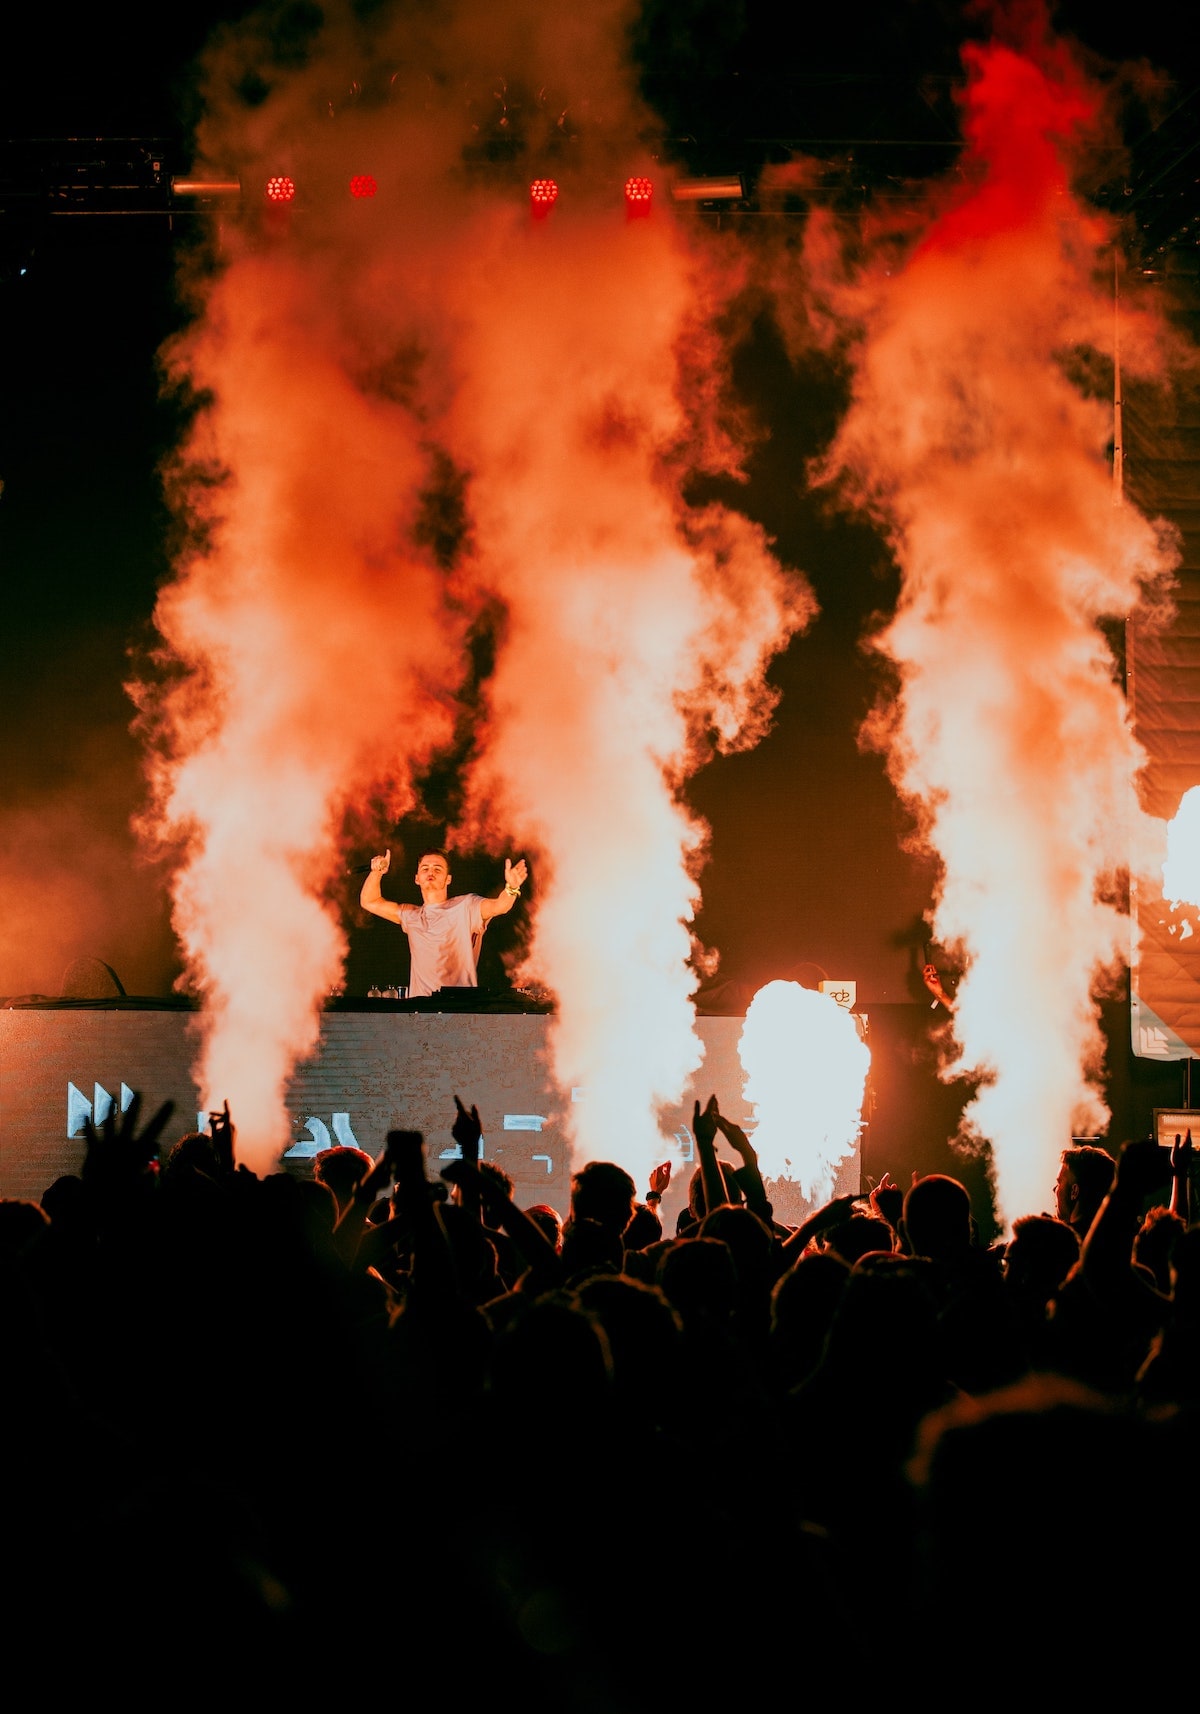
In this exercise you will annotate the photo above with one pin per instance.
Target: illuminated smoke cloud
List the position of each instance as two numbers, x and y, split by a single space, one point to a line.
627 631
974 439
806 1075
306 636
309 636
352 352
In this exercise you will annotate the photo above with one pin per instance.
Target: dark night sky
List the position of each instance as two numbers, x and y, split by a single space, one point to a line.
806 829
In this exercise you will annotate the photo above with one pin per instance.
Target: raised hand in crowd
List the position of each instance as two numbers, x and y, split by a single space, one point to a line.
887 1199
414 1203
660 1179
713 1183
1141 1176
121 1159
467 1132
486 1197
223 1132
1182 1155
749 1176
819 1222
933 981
351 1226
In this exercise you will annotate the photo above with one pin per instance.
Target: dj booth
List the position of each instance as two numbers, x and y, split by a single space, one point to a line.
378 1064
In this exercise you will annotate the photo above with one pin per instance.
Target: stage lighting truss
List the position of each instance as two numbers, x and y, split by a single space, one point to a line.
124 176
710 192
544 192
83 176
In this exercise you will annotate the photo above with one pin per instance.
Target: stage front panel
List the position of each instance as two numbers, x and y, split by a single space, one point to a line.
371 1071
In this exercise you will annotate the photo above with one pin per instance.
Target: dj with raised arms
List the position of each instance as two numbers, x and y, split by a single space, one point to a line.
444 933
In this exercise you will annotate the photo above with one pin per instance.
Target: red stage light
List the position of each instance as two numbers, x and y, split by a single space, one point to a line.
281 189
543 194
638 192
362 184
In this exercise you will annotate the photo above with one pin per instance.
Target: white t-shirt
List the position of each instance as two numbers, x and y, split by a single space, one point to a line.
443 941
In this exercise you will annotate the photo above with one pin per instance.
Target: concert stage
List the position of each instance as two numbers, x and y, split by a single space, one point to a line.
385 1063
379 1064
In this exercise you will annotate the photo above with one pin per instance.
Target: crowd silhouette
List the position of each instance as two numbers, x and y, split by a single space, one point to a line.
385 1431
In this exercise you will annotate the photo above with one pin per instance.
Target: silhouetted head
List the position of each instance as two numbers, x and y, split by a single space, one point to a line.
22 1225
697 1275
66 1200
804 1298
937 1217
643 1332
497 1176
194 1155
550 1363
1185 1271
860 1234
1039 1255
644 1228
752 1245
590 1248
604 1192
342 1168
1085 1176
550 1221
475 1261
696 1203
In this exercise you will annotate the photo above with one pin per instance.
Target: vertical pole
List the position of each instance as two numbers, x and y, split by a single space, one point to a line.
1118 429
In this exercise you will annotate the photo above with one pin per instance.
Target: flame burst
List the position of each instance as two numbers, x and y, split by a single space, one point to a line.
346 354
1181 865
806 1075
973 440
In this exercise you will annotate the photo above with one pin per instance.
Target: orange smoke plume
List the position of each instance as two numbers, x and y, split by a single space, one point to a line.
344 352
974 439
630 629
307 639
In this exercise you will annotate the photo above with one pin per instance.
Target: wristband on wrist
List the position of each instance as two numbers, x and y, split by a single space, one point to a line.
513 892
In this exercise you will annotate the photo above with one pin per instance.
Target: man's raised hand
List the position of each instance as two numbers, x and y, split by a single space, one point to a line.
223 1132
736 1138
467 1131
660 1178
704 1121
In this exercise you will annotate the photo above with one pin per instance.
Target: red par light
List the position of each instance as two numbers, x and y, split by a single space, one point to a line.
362 184
543 194
281 189
638 192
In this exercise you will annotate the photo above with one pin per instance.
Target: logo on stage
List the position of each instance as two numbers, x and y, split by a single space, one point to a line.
97 1109
319 1137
